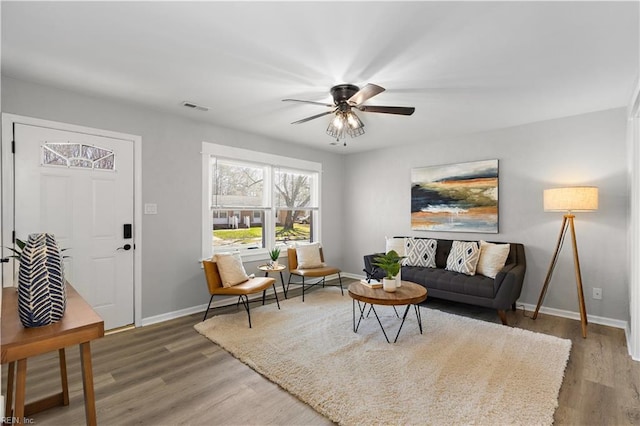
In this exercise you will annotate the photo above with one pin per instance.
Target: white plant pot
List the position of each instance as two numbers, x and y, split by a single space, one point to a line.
274 264
389 284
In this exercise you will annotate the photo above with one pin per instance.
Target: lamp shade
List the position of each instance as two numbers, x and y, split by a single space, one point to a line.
572 199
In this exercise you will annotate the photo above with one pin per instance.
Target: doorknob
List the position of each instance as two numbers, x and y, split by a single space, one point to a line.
4 260
125 247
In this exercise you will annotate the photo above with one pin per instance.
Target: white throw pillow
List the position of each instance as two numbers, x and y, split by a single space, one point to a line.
421 252
396 244
463 257
309 256
492 258
230 268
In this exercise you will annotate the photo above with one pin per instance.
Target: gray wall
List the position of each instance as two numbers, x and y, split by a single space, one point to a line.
366 196
171 177
582 150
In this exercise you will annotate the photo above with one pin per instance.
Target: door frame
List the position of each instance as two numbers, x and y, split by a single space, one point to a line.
7 189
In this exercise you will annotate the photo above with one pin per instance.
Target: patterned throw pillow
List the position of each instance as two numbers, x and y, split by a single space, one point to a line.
463 257
421 252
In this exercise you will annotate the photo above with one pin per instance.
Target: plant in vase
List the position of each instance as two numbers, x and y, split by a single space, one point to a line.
390 263
274 254
42 295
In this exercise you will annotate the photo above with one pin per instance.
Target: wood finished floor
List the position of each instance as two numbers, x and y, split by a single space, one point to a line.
168 374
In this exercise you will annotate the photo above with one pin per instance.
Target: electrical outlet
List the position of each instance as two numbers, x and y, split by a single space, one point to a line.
597 293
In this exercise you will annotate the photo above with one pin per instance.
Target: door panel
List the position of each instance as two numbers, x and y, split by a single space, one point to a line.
85 206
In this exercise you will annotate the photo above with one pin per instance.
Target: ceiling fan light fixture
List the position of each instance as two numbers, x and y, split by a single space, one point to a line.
345 123
353 120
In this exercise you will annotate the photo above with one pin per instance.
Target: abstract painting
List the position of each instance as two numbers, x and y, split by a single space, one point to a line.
460 197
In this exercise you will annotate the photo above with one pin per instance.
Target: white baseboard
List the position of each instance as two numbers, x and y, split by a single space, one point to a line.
201 308
594 319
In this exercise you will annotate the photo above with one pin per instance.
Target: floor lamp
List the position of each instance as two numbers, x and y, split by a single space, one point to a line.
568 200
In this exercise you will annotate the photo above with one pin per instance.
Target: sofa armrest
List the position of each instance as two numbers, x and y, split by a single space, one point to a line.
370 270
508 285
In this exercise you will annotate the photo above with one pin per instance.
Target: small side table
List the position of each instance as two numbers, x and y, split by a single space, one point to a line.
268 268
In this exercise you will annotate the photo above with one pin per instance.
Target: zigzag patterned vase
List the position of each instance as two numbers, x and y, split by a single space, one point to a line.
42 295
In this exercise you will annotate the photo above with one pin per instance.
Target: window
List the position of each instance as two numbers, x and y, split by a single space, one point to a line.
255 201
77 155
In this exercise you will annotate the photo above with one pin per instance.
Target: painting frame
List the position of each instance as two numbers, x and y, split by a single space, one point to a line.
456 197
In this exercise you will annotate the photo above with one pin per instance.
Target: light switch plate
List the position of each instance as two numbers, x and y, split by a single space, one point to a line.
150 208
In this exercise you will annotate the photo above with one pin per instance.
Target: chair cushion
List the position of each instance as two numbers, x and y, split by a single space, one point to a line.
315 272
309 256
231 269
253 285
492 258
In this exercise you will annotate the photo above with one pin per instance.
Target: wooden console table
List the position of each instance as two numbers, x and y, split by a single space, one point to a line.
79 325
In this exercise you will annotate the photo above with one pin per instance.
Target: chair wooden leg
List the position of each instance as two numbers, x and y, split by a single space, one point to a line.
208 307
503 316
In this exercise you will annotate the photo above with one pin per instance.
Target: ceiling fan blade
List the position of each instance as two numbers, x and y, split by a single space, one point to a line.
387 109
308 102
304 120
367 92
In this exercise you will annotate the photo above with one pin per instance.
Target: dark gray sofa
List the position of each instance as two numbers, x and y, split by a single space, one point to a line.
500 293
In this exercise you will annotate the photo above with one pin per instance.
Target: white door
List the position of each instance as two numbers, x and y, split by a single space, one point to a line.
79 187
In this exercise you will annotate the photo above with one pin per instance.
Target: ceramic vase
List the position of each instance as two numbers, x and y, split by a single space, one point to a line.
42 296
389 284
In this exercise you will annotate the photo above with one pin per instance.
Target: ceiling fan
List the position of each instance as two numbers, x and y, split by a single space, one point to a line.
347 98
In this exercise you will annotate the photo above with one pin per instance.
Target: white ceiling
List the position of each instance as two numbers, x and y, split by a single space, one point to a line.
465 66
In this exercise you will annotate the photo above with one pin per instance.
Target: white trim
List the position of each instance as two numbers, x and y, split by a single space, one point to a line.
593 319
7 188
228 301
271 161
633 146
209 148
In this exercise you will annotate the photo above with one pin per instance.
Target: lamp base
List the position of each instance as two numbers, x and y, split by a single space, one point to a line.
567 223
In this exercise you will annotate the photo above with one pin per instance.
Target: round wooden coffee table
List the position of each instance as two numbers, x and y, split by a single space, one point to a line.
407 294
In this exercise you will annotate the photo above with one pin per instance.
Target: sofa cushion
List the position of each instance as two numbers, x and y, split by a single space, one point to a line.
421 252
463 257
449 281
492 258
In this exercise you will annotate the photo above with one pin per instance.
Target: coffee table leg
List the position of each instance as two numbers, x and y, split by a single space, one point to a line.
418 317
406 311
381 327
353 310
284 290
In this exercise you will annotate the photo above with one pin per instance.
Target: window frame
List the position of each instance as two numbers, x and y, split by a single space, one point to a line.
273 162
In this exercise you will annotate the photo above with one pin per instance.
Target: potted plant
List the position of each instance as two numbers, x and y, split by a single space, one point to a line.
390 263
274 254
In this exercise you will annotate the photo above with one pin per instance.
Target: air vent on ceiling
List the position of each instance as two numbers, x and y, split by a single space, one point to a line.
194 106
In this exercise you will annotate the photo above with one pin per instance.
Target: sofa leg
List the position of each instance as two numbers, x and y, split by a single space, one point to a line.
503 316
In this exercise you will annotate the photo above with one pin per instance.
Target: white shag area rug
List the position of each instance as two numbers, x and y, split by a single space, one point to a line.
460 371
